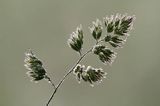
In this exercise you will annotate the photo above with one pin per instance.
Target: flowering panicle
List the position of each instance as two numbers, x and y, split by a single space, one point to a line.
76 39
34 65
90 74
105 54
116 27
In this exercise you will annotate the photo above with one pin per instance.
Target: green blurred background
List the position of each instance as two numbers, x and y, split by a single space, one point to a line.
45 25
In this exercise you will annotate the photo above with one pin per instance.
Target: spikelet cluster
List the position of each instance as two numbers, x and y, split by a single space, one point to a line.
35 69
89 74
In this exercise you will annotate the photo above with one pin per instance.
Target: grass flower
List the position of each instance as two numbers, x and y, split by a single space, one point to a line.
116 30
76 39
105 54
90 74
35 69
96 29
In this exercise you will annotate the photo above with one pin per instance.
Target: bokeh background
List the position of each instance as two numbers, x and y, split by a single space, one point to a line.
45 25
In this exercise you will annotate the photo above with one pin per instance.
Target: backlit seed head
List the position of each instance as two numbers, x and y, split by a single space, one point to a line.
125 25
34 65
118 28
76 39
115 41
96 29
119 24
90 74
105 54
